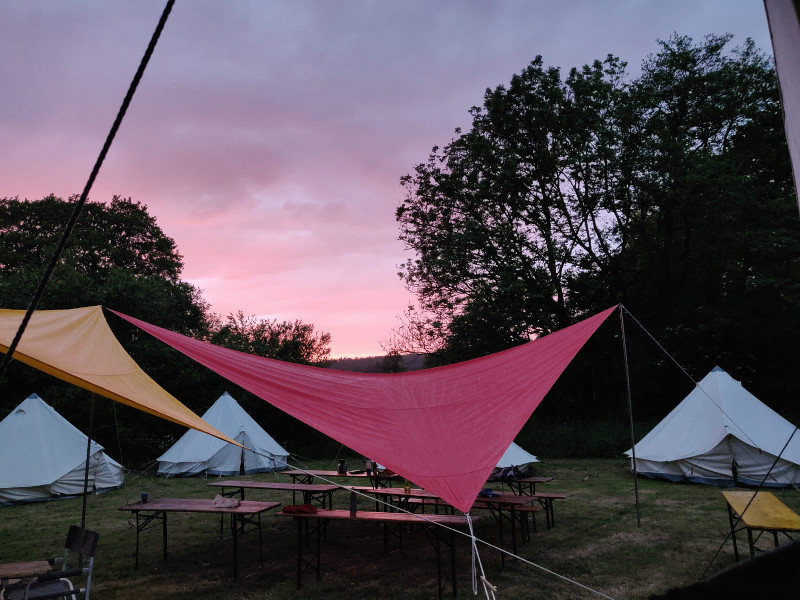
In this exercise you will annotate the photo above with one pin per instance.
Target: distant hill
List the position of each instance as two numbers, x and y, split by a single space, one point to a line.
372 364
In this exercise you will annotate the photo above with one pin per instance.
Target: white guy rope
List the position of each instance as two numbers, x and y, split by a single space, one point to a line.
422 517
488 588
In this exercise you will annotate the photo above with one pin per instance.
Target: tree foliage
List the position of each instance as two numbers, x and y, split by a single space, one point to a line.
117 256
670 192
120 258
290 341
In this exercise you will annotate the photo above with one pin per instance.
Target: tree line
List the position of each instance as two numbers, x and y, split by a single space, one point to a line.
119 257
670 192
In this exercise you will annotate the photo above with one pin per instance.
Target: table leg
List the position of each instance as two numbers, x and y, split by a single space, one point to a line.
502 545
733 534
299 552
513 531
235 529
137 539
453 562
750 541
260 548
438 549
320 524
164 533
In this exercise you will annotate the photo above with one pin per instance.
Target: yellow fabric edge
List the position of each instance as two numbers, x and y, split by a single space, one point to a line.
64 376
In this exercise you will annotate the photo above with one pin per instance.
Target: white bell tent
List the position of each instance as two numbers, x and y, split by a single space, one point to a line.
44 456
515 456
196 452
721 434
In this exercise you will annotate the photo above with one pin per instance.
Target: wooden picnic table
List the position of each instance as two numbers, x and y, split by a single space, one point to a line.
510 507
313 493
523 485
377 478
14 573
156 509
764 514
392 528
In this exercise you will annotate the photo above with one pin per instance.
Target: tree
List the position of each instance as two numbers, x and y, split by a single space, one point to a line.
507 214
290 341
393 363
670 192
118 257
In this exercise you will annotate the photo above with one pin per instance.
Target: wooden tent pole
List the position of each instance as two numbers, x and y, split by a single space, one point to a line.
630 416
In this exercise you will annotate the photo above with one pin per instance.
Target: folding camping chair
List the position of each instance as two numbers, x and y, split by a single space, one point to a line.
58 583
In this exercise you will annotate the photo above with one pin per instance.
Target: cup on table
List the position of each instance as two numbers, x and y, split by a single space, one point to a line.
144 497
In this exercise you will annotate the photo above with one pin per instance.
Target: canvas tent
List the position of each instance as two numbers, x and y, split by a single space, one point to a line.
44 456
199 453
720 434
515 456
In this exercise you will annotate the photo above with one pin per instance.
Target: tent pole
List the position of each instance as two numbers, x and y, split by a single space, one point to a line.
630 416
86 467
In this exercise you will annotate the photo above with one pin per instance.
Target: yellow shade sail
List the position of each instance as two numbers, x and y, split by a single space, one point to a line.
77 345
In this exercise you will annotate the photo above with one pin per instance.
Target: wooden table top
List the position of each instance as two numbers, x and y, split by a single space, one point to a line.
765 512
317 473
267 485
525 480
394 517
201 505
507 499
21 570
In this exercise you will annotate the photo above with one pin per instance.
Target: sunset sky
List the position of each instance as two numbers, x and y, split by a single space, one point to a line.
268 137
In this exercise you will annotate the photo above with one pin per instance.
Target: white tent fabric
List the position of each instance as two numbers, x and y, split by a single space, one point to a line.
44 456
515 456
720 434
196 452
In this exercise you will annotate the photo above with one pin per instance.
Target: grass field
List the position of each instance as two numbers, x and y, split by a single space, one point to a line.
595 542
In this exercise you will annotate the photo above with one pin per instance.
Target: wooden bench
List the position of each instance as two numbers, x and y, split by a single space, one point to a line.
764 513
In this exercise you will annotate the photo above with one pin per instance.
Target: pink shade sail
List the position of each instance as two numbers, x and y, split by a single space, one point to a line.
443 429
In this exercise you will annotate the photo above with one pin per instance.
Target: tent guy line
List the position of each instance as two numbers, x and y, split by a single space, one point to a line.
73 219
422 517
685 372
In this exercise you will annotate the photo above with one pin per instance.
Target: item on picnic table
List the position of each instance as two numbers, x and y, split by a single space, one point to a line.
223 502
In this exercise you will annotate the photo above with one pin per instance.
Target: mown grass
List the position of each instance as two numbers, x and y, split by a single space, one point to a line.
595 541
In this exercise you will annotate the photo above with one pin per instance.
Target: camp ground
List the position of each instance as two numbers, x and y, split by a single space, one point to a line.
428 492
256 499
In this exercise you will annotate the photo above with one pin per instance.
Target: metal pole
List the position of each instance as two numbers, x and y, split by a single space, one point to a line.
86 467
630 416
